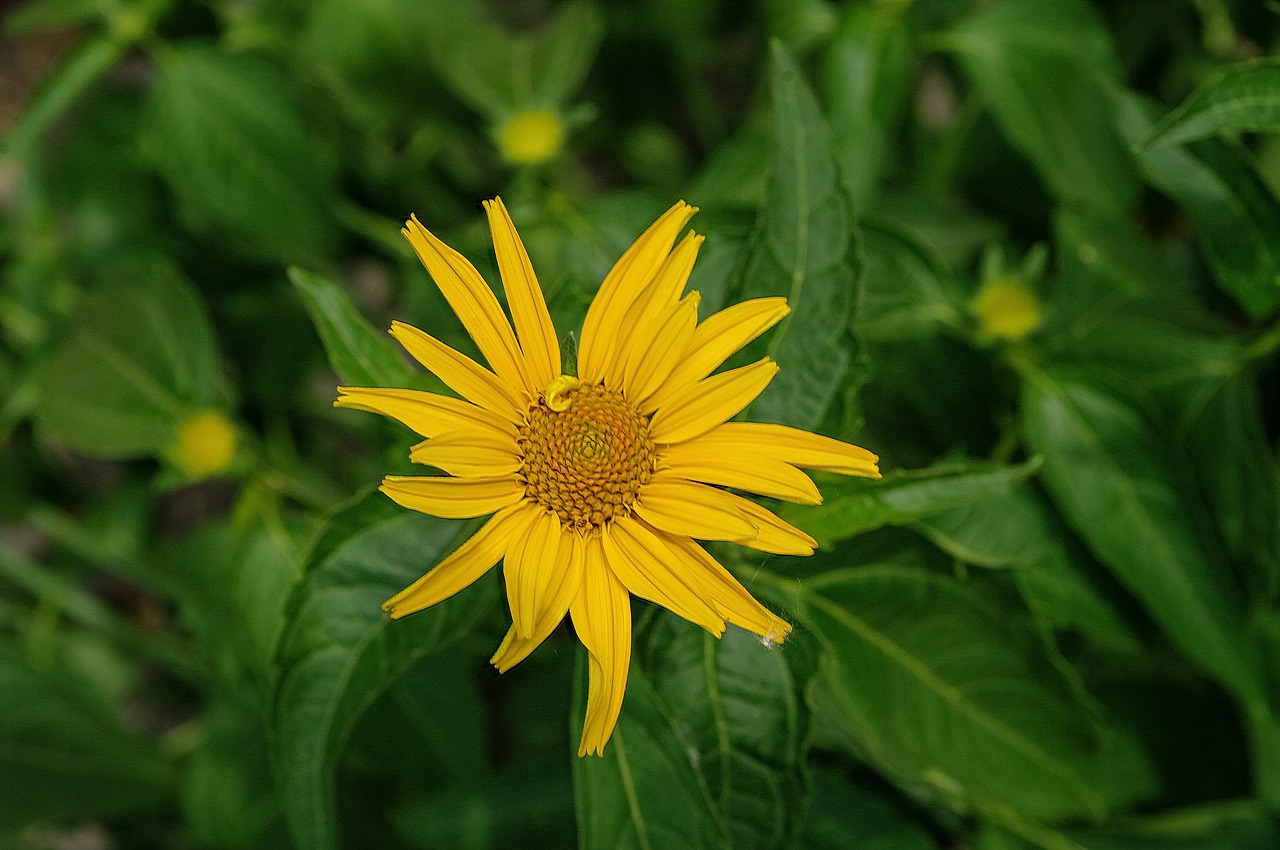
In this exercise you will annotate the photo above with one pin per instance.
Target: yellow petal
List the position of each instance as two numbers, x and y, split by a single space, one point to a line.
472 453
429 414
759 474
530 571
796 447
664 291
715 340
534 329
452 498
473 301
462 374
773 534
644 563
601 615
607 315
706 404
689 509
463 566
730 599
652 356
565 585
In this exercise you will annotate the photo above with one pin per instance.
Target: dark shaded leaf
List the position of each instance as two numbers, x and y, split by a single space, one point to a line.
1114 477
339 650
1045 72
1245 96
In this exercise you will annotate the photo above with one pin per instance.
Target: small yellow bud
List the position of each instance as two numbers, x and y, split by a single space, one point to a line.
531 137
206 444
1006 309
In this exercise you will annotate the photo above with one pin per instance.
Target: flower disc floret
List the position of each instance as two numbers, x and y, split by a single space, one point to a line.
586 462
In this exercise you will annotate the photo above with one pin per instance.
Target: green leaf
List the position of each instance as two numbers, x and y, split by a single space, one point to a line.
140 357
1227 438
947 692
737 709
866 74
645 791
1116 480
230 138
1045 71
238 573
1014 529
560 56
497 72
64 752
909 293
805 249
360 355
1235 213
1244 96
227 795
855 506
842 816
339 650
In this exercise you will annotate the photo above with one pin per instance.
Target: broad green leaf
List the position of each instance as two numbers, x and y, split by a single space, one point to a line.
139 358
909 293
560 56
1014 529
1045 72
855 506
503 808
645 792
865 85
805 249
1244 96
1235 213
737 709
945 691
64 754
339 650
360 355
496 72
229 136
238 573
843 816
226 789
1115 478
1227 439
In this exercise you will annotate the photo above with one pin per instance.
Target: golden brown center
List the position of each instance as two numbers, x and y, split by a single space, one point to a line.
586 453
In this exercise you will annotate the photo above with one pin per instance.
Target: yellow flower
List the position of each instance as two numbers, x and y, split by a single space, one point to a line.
530 137
206 444
600 482
1006 309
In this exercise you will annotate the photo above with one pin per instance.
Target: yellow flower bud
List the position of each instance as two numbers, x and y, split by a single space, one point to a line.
206 444
1006 309
530 137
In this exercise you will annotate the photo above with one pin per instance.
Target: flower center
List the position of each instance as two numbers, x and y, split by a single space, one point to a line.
586 453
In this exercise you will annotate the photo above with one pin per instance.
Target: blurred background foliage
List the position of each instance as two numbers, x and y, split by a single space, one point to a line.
1033 251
